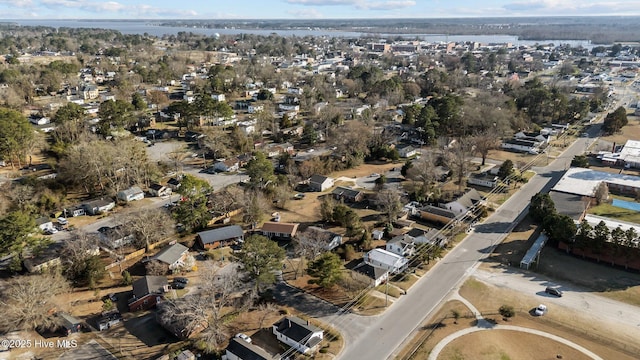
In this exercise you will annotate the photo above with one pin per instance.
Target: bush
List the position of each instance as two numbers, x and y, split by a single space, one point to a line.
126 278
507 311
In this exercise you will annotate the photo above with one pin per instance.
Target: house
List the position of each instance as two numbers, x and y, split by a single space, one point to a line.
69 323
173 184
272 229
239 349
47 258
377 234
228 165
147 292
531 147
99 206
483 179
44 223
347 194
39 120
73 212
464 203
218 97
131 194
377 275
320 183
159 190
436 214
328 239
406 151
115 237
401 245
213 239
542 139
89 92
173 256
386 260
298 333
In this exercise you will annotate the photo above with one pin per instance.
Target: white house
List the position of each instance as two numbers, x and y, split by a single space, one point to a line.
483 179
228 165
254 108
531 147
328 239
44 223
402 245
406 151
298 334
218 97
131 194
320 183
247 127
386 260
173 256
159 190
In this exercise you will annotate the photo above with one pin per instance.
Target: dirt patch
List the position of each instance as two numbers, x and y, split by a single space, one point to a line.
504 344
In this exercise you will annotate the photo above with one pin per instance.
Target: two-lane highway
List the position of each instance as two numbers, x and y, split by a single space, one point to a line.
383 336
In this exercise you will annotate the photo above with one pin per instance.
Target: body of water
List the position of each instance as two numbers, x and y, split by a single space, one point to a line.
148 27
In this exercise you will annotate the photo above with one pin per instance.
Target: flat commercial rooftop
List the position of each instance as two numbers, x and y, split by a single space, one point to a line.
581 181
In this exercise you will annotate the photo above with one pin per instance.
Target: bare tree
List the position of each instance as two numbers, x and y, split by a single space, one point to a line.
459 158
255 205
484 142
29 302
217 141
177 156
149 226
155 267
308 245
602 193
389 204
424 170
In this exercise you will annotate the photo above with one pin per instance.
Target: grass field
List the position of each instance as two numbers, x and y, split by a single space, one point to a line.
614 212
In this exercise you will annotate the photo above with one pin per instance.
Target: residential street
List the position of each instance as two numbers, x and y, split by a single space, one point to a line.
383 337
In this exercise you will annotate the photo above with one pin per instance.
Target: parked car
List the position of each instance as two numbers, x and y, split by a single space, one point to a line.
183 280
244 337
553 291
179 285
540 310
112 296
51 231
62 221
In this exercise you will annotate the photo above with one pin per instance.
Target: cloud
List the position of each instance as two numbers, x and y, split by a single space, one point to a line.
17 3
358 4
100 7
585 7
306 13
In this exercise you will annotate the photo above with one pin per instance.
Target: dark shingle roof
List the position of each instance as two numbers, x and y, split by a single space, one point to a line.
568 204
296 329
148 285
345 191
246 351
223 233
439 211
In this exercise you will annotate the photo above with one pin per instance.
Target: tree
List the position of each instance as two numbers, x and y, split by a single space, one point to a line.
380 181
485 141
149 226
541 206
116 114
29 302
507 311
602 193
506 169
15 135
580 161
559 227
265 94
260 170
326 208
389 203
254 205
83 267
155 268
309 134
137 101
614 121
192 210
326 270
16 235
459 160
260 258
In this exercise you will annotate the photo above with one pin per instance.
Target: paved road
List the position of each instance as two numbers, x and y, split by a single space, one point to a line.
384 337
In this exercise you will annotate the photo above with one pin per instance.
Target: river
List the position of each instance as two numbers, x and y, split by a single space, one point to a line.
153 28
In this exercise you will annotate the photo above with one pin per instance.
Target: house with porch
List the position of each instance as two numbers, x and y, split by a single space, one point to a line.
131 194
347 194
158 190
173 256
98 206
227 165
299 334
387 260
402 245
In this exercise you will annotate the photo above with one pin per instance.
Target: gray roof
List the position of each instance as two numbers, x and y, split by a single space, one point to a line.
568 204
297 329
318 179
98 203
439 211
415 232
171 254
223 233
371 271
42 220
132 191
346 192
246 351
469 199
148 285
68 321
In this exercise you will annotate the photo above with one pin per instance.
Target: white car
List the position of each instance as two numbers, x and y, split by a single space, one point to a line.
62 221
51 231
540 310
244 337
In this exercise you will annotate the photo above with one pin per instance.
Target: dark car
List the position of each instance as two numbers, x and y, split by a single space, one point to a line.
183 280
553 291
179 285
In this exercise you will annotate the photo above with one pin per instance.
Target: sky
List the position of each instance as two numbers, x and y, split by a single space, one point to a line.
308 9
